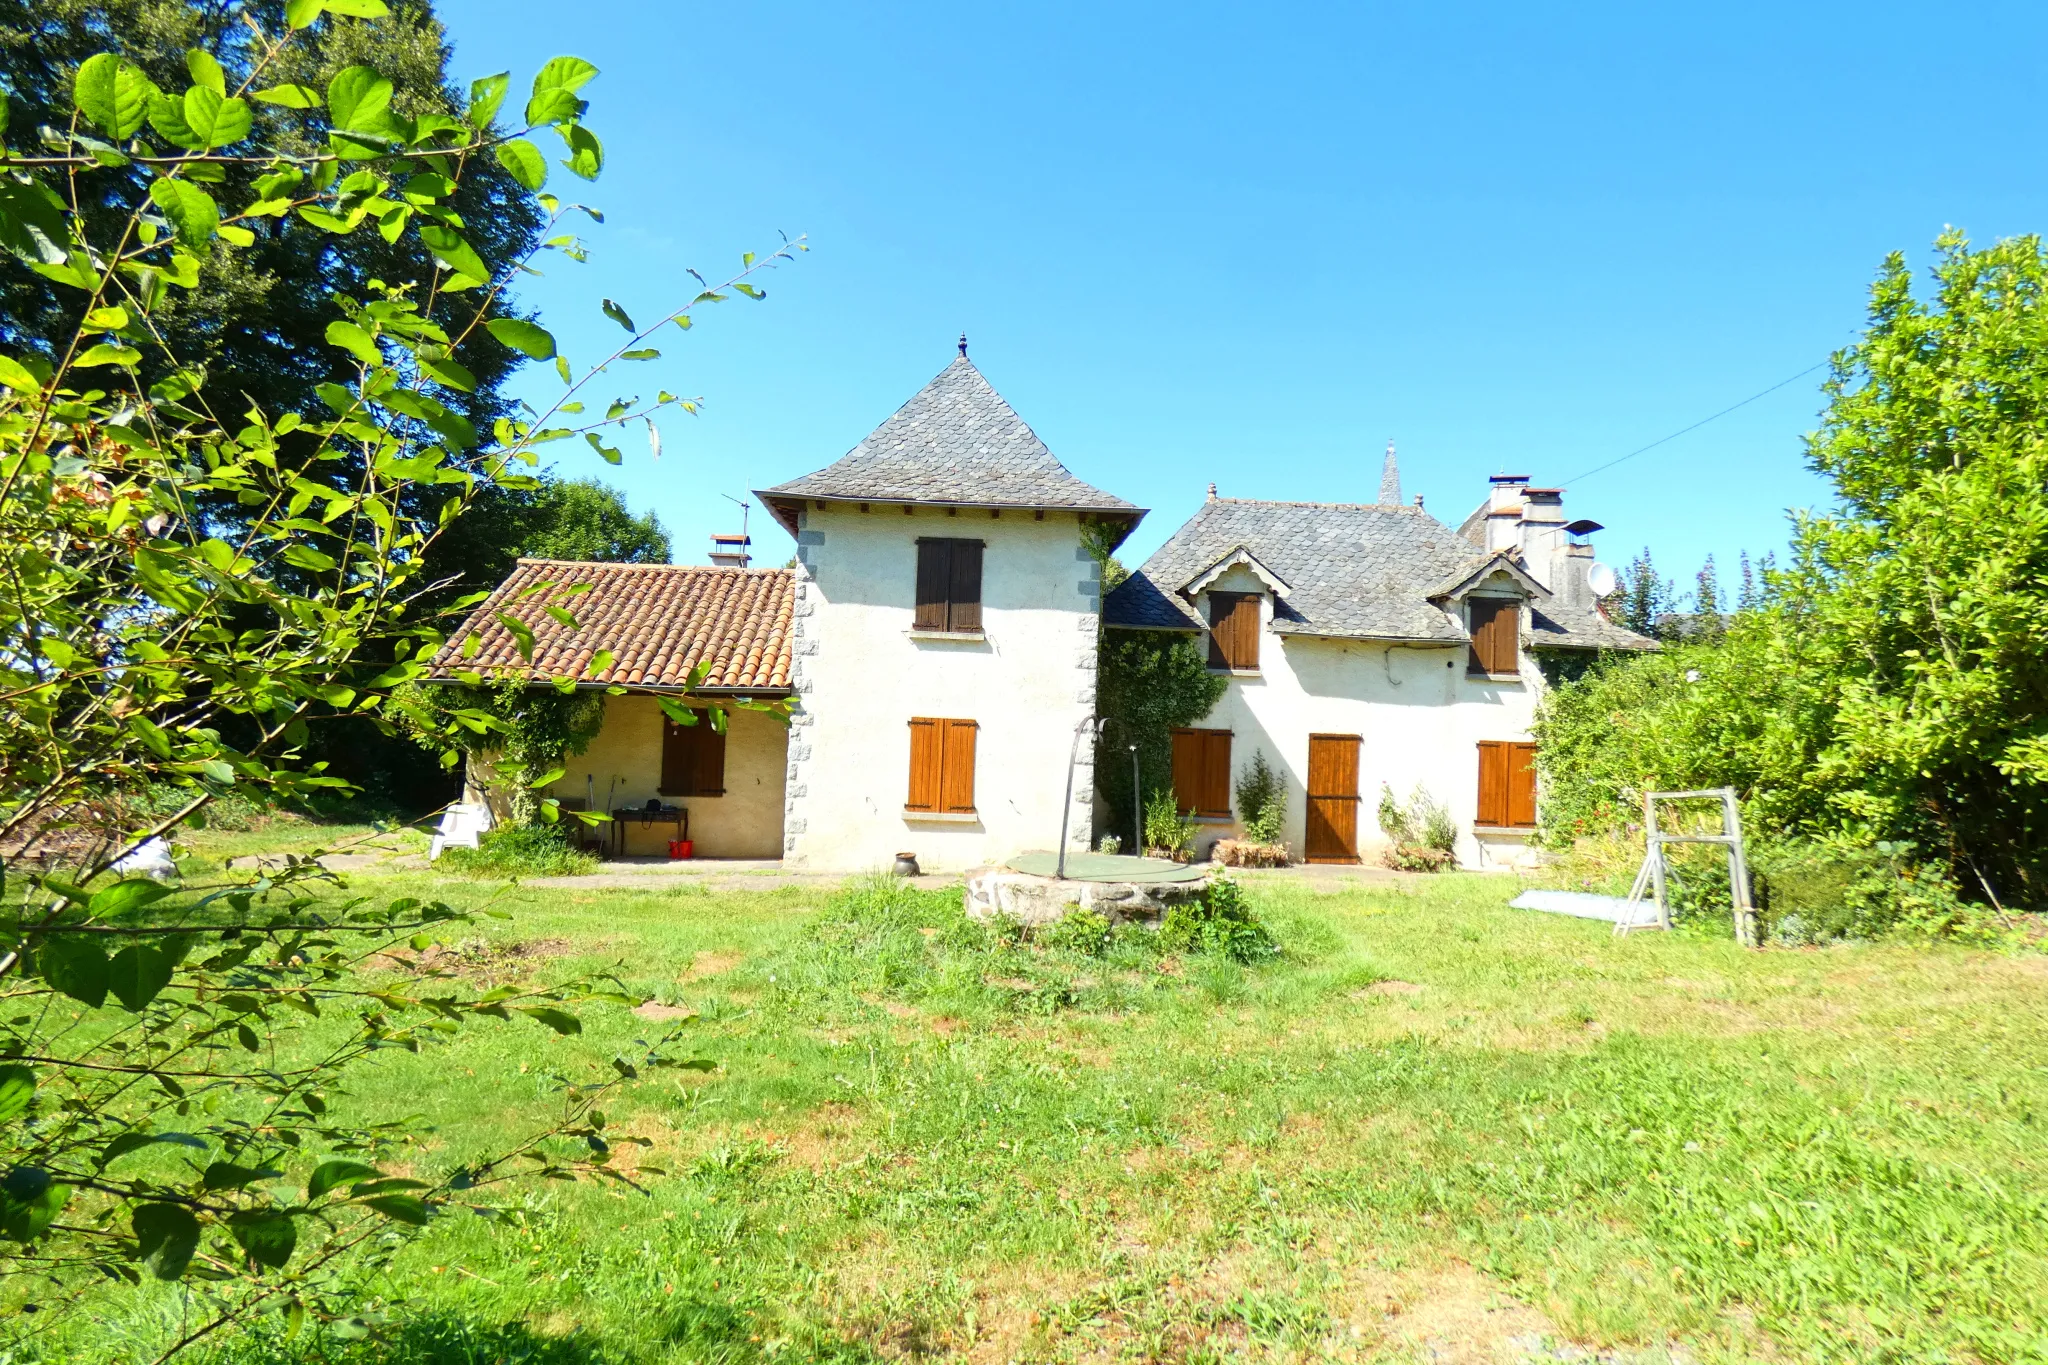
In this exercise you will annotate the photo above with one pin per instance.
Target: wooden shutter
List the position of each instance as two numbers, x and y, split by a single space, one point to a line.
1201 771
1234 630
1496 624
1521 773
956 767
926 747
1493 782
934 581
692 758
963 598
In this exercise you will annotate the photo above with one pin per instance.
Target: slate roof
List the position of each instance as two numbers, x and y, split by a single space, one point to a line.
956 441
658 620
1356 571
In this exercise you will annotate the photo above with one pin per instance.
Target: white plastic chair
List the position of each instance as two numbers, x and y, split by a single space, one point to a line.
461 823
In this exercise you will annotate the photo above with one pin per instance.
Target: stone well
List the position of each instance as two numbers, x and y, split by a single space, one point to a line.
1033 901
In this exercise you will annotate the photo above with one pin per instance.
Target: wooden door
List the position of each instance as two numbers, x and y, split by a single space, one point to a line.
1332 799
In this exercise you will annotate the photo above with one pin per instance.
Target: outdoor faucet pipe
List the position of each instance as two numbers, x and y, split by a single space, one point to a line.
1091 727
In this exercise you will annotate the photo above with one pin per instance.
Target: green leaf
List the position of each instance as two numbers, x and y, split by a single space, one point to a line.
404 1208
523 336
106 353
445 369
333 1173
191 210
214 119
15 375
206 71
359 100
166 1237
29 1202
555 107
114 93
449 249
486 95
602 660
554 91
522 634
359 9
561 1021
300 14
167 116
355 341
289 96
124 896
609 454
586 153
563 73
618 315
17 1088
32 221
267 1236
524 162
74 965
225 1175
137 975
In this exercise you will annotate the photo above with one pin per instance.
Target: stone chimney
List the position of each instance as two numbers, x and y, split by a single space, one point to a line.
1390 479
730 552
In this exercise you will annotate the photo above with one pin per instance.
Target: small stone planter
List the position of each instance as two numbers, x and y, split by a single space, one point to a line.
999 893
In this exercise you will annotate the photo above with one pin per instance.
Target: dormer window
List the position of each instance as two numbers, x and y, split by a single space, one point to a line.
1495 624
948 586
1234 631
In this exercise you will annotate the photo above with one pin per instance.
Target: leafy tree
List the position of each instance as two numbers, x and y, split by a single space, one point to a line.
1890 687
1646 599
185 588
585 519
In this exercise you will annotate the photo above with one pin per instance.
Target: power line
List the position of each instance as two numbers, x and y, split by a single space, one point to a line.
1697 425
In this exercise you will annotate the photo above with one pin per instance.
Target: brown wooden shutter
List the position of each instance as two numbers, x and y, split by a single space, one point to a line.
1234 630
1521 783
1216 774
934 581
1493 783
675 756
1187 770
709 768
926 747
1496 624
956 769
963 596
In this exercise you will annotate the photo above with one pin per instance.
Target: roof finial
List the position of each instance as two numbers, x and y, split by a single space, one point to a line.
1212 492
1390 479
963 345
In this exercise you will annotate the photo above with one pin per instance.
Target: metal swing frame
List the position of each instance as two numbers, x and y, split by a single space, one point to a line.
1655 872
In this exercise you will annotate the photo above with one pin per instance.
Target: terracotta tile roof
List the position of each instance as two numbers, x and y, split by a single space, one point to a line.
658 620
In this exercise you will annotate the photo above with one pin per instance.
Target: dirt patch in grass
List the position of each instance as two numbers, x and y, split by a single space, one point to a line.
711 964
655 1010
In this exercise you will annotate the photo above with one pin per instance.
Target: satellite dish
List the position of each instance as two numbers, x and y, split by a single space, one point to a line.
1602 580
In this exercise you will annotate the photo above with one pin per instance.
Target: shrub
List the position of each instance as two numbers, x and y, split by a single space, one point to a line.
1422 831
1418 858
1110 844
1220 923
1167 831
1078 931
520 851
1245 853
1811 892
1261 801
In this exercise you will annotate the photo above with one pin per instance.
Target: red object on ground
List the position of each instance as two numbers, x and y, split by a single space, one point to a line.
681 848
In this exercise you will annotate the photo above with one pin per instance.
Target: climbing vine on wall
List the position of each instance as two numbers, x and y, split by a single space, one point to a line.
537 728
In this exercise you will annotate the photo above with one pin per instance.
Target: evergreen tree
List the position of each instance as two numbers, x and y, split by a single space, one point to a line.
1707 620
1645 598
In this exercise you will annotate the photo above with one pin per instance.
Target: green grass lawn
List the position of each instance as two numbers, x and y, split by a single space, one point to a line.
1434 1129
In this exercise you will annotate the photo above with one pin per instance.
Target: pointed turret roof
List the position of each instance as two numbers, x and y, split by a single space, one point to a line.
955 442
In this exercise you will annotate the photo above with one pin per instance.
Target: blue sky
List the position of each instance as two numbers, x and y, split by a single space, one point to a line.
1250 243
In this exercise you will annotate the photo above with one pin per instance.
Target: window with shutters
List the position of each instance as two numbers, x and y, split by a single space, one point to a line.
1507 784
1234 631
948 586
1201 773
1496 626
692 758
941 766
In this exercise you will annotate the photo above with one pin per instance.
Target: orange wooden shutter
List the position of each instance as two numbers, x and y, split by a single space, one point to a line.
934 581
1493 783
963 592
1521 785
956 769
926 748
1234 630
1216 774
1496 624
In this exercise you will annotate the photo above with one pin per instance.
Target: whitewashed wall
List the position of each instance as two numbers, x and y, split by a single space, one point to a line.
625 760
861 676
1420 718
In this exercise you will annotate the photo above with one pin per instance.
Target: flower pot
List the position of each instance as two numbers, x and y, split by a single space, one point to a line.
906 865
681 848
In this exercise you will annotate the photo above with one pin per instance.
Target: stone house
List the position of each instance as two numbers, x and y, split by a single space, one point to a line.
935 645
